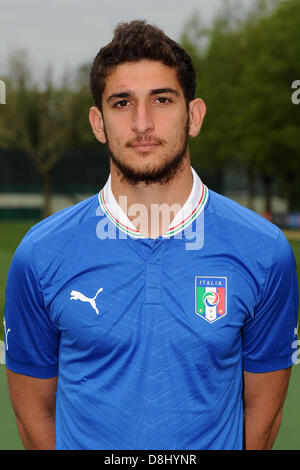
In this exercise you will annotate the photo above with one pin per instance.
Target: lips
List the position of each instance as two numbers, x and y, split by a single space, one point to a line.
144 146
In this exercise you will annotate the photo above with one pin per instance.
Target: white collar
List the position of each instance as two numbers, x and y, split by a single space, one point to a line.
190 210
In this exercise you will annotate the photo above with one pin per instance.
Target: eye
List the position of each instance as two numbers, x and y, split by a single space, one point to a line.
121 104
163 100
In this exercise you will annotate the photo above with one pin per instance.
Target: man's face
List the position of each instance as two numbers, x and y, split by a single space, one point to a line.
145 120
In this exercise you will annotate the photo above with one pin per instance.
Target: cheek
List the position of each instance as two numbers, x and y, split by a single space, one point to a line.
176 125
114 136
177 130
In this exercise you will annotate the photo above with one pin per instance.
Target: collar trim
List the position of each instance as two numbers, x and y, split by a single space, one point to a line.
132 232
110 207
189 219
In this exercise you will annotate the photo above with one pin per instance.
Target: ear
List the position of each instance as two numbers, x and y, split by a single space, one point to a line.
96 121
197 110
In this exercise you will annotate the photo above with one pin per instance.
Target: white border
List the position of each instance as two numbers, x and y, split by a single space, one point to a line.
211 277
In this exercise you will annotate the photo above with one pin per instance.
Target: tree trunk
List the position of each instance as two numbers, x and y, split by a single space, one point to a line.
250 188
267 186
290 195
289 200
46 182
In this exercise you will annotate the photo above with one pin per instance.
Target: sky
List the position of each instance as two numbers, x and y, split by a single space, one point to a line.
67 33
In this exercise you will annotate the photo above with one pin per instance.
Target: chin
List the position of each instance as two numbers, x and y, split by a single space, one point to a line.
150 167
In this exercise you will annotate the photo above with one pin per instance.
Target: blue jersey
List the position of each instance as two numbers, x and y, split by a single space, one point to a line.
150 337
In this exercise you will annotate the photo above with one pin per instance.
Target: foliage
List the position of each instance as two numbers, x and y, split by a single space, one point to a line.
246 63
44 119
245 71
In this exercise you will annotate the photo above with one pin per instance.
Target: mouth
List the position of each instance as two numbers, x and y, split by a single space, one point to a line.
146 147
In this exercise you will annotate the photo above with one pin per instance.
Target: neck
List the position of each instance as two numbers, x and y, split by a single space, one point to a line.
151 208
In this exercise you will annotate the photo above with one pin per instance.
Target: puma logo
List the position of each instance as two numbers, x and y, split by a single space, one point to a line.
75 295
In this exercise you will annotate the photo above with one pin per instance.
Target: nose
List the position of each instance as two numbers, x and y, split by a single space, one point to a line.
142 120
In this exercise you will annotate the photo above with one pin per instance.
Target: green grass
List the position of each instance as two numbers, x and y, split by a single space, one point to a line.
11 234
9 436
288 437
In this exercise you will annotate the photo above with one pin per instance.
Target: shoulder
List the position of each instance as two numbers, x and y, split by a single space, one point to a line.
251 235
67 219
229 212
50 236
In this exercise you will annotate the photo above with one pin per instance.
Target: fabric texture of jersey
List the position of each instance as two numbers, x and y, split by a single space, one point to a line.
150 337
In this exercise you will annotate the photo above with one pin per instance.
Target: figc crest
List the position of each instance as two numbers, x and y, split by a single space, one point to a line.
211 297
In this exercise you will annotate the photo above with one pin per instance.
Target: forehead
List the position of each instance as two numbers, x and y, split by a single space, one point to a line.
141 76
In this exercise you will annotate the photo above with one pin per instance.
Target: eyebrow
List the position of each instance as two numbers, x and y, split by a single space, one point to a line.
128 94
159 91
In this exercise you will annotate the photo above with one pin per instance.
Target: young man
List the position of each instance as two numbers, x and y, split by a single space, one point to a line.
157 314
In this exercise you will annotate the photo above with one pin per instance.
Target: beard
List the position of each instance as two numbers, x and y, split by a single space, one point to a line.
168 169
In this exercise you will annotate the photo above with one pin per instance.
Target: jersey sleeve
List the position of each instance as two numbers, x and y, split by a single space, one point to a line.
268 337
31 338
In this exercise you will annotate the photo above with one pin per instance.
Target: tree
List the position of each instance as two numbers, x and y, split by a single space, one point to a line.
39 119
216 53
246 64
269 120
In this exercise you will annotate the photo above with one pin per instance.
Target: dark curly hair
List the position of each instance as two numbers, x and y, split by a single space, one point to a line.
133 42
